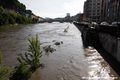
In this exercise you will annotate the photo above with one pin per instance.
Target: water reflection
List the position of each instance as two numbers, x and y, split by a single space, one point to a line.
99 69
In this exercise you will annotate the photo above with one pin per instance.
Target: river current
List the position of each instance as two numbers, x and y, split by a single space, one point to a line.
69 61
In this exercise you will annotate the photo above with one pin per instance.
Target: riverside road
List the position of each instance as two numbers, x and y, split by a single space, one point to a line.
69 61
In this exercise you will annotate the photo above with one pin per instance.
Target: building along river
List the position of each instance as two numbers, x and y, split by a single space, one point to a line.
69 61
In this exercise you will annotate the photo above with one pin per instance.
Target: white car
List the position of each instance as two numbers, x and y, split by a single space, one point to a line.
115 23
94 23
104 23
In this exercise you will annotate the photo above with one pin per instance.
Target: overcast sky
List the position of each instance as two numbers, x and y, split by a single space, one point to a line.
54 8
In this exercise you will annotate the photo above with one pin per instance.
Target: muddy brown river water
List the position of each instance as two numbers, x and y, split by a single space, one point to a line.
69 61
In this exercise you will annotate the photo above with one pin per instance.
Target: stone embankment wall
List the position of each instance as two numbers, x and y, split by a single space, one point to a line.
106 37
109 40
109 43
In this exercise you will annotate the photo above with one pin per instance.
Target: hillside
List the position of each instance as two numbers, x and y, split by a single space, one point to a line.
13 5
12 11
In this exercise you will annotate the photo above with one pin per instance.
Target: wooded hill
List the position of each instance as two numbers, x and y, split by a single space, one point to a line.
12 11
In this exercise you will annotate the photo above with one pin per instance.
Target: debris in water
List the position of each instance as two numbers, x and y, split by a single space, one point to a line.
42 66
58 43
61 42
54 41
66 29
49 49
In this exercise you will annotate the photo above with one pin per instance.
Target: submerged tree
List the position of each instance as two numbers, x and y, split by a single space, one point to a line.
33 55
29 61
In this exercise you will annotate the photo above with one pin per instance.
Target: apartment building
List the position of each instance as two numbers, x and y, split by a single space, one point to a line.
92 10
104 10
113 11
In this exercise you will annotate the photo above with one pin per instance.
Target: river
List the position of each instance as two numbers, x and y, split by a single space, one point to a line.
69 61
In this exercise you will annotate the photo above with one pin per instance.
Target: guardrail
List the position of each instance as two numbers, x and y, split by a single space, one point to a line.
109 29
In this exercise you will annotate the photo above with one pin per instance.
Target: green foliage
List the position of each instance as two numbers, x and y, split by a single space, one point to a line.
5 72
29 62
29 12
1 9
0 57
22 73
35 51
11 17
33 55
13 4
21 6
17 15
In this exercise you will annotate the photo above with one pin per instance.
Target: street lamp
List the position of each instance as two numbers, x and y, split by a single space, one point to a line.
117 17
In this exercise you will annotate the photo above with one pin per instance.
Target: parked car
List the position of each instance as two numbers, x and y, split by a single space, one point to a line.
104 23
83 22
115 23
93 25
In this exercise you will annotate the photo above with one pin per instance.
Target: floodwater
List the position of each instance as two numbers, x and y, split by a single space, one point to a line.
69 61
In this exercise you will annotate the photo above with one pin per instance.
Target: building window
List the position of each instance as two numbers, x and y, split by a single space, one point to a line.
98 10
98 3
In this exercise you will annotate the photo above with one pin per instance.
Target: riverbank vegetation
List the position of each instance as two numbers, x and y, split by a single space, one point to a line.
11 17
14 12
28 63
33 55
5 72
10 27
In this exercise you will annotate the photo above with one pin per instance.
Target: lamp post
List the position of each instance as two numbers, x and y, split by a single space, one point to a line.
117 16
